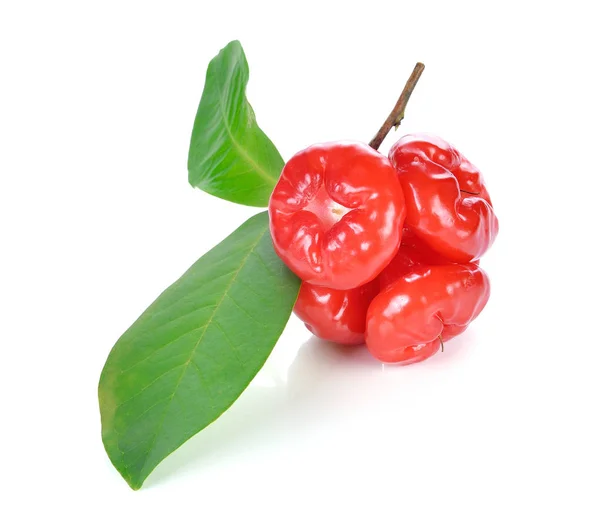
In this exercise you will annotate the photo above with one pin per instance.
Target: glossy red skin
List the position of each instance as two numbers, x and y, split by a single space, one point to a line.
336 315
406 320
340 315
336 214
437 181
412 253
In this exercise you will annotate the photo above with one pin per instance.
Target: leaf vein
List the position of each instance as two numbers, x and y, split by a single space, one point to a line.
193 351
239 147
245 311
161 348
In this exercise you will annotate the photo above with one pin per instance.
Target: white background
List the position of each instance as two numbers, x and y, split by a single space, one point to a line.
97 218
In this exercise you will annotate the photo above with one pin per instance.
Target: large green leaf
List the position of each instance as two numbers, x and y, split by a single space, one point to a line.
194 350
230 156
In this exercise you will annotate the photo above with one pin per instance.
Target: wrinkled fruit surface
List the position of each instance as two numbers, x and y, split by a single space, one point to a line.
336 214
388 251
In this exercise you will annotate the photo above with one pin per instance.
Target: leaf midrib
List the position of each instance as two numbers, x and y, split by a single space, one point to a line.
239 147
194 349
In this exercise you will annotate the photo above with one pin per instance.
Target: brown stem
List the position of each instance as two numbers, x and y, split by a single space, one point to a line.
397 114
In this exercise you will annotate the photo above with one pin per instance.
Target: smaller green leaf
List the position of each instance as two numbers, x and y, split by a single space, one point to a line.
192 353
230 156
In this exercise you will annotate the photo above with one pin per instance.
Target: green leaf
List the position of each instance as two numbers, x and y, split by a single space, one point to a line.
190 355
230 156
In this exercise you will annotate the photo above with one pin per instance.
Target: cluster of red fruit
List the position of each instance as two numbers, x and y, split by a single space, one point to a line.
387 249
